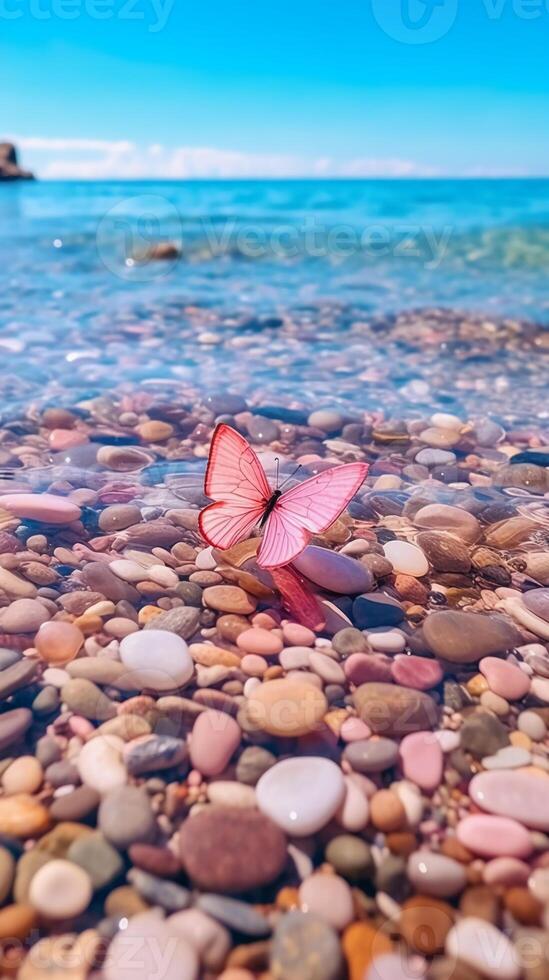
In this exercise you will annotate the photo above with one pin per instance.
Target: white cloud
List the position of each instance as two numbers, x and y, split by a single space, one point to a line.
75 158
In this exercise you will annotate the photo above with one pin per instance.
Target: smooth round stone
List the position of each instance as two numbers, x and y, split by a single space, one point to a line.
538 883
239 916
100 763
253 762
229 792
149 948
435 457
210 940
505 871
510 757
537 602
494 836
261 641
302 794
377 609
519 795
125 817
416 672
406 558
229 599
24 775
305 947
350 856
13 725
156 659
540 689
213 842
60 890
393 966
362 668
373 755
296 635
464 638
422 760
44 507
443 517
390 641
98 859
23 816
86 699
532 725
117 517
354 730
327 419
153 753
392 710
23 616
435 874
295 658
329 897
326 668
504 678
214 739
478 944
287 707
354 812
350 640
333 571
76 805
445 552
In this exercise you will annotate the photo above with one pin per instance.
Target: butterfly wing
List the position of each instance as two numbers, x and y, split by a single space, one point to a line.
308 509
236 481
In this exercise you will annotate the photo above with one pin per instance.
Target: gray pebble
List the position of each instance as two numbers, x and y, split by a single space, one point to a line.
183 620
157 752
157 891
93 853
253 762
234 914
46 701
305 948
374 755
125 817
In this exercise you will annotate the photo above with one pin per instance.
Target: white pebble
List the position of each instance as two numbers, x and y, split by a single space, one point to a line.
156 659
100 763
406 558
60 890
532 725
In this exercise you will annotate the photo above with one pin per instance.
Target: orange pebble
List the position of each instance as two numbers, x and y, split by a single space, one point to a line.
287 899
147 613
58 642
362 944
386 811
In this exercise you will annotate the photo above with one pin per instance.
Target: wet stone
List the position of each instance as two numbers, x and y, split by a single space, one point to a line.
464 638
157 891
391 710
482 734
305 948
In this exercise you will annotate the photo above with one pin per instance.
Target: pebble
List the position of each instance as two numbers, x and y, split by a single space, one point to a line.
494 836
504 678
212 844
45 507
301 795
60 890
422 760
532 725
252 763
147 946
7 873
23 775
13 725
520 795
100 763
425 922
482 734
406 558
86 699
372 755
183 621
377 610
138 825
210 940
435 874
392 710
483 947
333 571
445 552
23 816
362 668
350 856
102 863
234 914
287 707
464 638
214 739
156 659
169 895
416 672
229 599
260 641
305 947
442 517
23 616
155 753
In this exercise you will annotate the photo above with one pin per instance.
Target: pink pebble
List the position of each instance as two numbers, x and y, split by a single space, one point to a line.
505 679
296 635
252 665
61 439
363 667
494 836
422 760
260 641
519 794
214 738
506 871
354 729
45 507
265 621
80 726
416 672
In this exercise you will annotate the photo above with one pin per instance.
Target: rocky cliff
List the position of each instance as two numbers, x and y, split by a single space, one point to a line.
9 167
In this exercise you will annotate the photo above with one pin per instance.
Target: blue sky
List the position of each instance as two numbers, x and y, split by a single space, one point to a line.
300 87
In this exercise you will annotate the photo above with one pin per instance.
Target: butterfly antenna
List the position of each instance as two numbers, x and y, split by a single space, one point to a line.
290 476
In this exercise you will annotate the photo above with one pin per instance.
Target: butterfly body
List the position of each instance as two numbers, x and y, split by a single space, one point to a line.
244 499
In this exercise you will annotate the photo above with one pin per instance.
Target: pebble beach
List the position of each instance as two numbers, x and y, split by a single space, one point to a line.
335 771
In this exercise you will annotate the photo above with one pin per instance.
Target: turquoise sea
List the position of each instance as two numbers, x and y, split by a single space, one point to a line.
266 284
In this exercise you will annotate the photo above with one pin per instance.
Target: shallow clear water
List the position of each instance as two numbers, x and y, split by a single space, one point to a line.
81 312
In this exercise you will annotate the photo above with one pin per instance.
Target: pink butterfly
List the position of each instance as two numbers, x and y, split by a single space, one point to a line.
237 482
